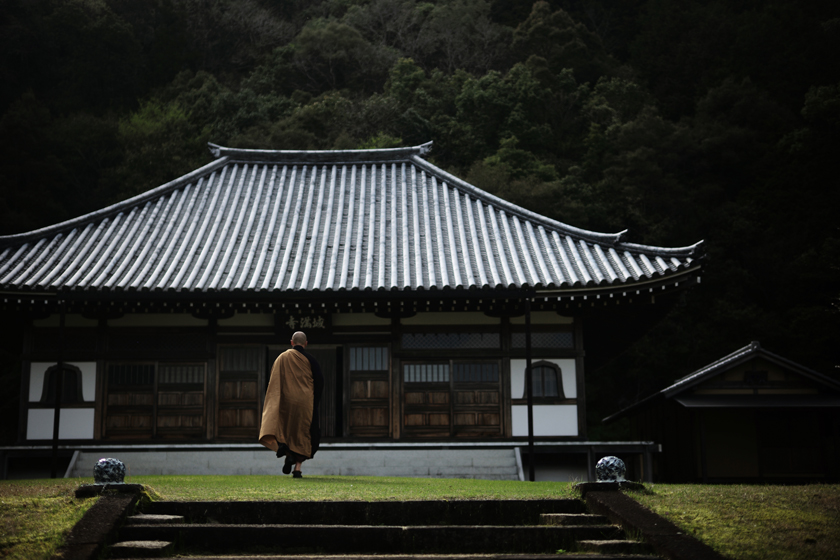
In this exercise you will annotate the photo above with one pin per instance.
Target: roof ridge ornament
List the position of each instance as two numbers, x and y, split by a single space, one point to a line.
320 156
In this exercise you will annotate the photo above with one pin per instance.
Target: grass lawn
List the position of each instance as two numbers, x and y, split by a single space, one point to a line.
35 515
753 521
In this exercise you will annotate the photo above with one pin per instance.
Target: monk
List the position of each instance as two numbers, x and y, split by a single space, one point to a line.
290 414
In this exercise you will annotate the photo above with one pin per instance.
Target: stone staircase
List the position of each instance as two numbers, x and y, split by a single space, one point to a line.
423 462
523 529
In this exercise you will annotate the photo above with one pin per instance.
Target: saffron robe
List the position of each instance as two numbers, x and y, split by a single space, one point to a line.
290 403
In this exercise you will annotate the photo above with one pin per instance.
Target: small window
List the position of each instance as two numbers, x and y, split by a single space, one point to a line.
546 381
365 358
71 391
426 373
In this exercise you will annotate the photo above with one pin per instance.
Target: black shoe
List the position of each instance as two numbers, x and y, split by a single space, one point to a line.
287 466
297 474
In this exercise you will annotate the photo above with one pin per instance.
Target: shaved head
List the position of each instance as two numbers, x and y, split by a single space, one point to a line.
299 339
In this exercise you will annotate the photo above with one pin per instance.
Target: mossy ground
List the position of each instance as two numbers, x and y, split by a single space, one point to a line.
35 516
753 522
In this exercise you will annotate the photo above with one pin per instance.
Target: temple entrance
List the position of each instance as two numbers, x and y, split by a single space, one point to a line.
329 358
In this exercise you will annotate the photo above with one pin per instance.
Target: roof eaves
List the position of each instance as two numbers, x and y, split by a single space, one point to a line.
611 239
695 250
634 406
726 362
798 368
688 381
8 240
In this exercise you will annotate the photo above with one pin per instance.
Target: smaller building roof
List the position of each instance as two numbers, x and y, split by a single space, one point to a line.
679 390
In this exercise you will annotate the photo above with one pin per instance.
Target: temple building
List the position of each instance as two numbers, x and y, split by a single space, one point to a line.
423 298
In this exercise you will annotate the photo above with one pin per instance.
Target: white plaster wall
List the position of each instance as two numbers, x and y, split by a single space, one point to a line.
74 423
549 420
567 371
37 373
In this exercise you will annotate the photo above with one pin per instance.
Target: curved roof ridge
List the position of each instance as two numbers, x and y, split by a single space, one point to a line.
594 236
664 251
113 209
319 156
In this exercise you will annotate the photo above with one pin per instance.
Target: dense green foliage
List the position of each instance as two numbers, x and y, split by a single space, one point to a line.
679 120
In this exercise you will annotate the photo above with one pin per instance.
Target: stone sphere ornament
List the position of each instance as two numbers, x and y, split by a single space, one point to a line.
109 471
610 469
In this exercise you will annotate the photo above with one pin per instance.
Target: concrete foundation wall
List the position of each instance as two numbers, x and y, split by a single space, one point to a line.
490 464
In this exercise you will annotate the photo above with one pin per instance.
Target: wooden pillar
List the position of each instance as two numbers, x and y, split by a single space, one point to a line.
703 457
529 388
59 389
590 464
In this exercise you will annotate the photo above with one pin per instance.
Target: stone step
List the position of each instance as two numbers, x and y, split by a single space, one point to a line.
154 519
360 539
141 549
614 546
572 519
416 512
490 464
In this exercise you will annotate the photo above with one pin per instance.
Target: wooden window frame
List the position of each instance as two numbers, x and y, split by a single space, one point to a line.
451 387
543 400
78 400
155 392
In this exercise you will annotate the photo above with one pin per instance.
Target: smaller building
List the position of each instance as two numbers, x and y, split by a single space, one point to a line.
749 416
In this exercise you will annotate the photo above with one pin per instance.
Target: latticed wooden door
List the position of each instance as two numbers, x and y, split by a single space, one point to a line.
156 399
180 401
129 400
369 377
238 393
452 398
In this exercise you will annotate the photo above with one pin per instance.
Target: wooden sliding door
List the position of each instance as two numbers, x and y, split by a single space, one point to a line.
369 380
452 398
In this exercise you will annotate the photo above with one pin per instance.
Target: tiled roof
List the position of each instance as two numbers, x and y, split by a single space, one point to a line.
278 221
750 351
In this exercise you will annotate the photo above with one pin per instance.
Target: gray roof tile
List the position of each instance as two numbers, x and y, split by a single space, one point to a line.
276 221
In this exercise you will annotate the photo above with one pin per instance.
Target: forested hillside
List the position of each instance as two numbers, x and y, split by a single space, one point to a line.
679 120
